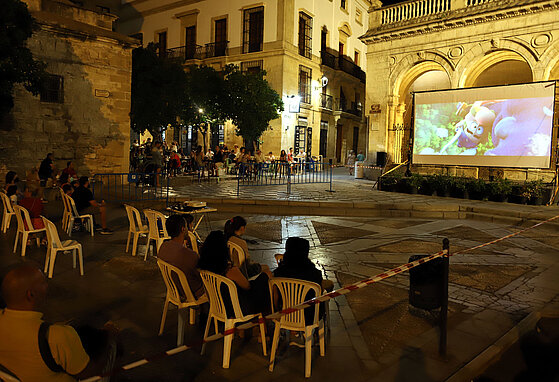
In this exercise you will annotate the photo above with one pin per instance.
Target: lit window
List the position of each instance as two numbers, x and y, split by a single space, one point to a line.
253 29
305 75
356 58
343 4
305 35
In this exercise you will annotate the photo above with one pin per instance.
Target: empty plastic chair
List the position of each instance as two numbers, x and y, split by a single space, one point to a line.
136 229
25 228
8 212
55 246
293 292
213 283
184 302
67 210
154 232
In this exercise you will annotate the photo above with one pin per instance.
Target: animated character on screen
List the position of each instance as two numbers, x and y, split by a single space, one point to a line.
475 126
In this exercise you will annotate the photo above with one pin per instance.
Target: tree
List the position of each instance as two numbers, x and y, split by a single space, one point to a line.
205 88
159 93
16 60
250 103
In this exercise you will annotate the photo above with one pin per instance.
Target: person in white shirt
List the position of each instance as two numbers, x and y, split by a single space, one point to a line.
271 157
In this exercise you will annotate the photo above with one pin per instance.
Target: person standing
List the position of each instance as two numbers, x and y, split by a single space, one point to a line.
351 161
46 169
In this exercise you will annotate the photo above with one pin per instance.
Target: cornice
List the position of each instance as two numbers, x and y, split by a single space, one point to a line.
459 18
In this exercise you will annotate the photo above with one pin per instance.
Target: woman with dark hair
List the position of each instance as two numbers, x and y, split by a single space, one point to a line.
297 265
11 179
253 295
234 229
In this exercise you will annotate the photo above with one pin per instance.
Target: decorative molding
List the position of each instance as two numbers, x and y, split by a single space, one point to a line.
455 19
541 40
455 52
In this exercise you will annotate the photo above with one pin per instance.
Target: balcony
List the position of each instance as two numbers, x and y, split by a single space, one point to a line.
415 17
354 108
342 63
326 101
198 52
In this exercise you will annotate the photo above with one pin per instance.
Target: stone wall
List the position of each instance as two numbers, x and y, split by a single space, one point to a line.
91 126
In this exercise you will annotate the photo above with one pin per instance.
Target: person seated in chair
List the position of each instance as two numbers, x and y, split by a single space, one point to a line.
34 350
175 253
87 205
234 229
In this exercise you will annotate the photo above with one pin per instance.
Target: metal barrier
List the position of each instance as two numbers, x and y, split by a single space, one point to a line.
283 173
128 187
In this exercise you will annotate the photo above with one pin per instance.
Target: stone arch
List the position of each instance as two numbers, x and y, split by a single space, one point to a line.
550 62
482 56
412 66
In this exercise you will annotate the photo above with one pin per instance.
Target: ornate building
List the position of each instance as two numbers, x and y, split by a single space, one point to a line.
439 44
82 113
310 50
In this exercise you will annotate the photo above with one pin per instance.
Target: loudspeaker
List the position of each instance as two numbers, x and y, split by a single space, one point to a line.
381 158
426 283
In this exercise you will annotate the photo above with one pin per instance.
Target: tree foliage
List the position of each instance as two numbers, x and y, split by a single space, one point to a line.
159 92
16 60
250 102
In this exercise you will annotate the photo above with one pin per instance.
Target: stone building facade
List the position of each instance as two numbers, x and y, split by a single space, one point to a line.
441 44
83 113
309 48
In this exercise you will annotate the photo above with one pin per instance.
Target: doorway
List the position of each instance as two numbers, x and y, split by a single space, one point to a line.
339 138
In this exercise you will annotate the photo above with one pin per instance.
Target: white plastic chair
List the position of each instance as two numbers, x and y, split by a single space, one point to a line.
193 241
8 212
293 292
174 297
213 283
154 233
7 377
136 229
55 246
25 229
237 254
67 210
74 215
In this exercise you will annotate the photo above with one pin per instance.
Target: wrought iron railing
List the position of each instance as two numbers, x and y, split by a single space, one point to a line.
342 63
354 108
198 52
326 101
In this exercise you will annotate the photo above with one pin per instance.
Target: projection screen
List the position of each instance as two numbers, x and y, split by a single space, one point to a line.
501 126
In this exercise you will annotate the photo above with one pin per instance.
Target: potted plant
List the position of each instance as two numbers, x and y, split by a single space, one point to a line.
441 184
499 190
427 187
532 192
477 189
458 187
414 182
387 183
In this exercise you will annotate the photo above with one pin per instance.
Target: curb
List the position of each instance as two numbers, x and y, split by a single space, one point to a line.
476 366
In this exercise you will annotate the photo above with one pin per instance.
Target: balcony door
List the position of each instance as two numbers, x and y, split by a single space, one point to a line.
220 37
190 42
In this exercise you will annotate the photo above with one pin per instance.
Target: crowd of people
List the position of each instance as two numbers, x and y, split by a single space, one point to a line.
161 158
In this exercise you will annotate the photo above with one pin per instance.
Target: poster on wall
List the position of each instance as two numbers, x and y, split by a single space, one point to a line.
499 126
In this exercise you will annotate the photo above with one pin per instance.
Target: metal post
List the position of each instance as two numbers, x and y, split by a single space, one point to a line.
239 179
167 199
288 177
444 298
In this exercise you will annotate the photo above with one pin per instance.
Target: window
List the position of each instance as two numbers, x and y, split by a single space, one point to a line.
190 42
356 58
252 67
102 9
52 89
341 48
323 39
305 75
343 4
253 29
359 16
162 43
323 143
305 35
220 37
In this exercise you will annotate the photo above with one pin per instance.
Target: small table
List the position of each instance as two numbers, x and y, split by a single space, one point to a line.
202 211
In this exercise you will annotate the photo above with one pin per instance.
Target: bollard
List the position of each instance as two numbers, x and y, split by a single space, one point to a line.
444 299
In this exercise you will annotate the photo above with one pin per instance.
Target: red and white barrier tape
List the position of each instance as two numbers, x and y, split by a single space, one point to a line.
306 304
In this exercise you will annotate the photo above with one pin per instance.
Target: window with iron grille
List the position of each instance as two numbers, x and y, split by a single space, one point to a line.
305 75
343 4
253 29
52 89
252 67
305 35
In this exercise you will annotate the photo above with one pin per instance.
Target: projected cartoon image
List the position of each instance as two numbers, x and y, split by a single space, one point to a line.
508 127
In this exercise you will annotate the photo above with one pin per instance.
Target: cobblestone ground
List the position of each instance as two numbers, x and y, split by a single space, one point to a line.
374 335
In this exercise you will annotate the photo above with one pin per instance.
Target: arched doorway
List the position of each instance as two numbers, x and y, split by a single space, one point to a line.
506 72
423 77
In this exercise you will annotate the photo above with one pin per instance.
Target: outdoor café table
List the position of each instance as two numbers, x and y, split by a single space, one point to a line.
202 211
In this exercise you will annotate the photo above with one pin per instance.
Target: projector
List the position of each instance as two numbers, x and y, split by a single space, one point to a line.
195 204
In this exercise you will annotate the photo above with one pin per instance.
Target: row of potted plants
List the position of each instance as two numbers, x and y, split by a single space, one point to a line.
500 190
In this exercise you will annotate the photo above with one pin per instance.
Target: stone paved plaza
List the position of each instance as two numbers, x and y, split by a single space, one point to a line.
374 335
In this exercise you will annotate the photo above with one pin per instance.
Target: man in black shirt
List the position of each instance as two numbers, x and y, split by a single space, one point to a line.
86 204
